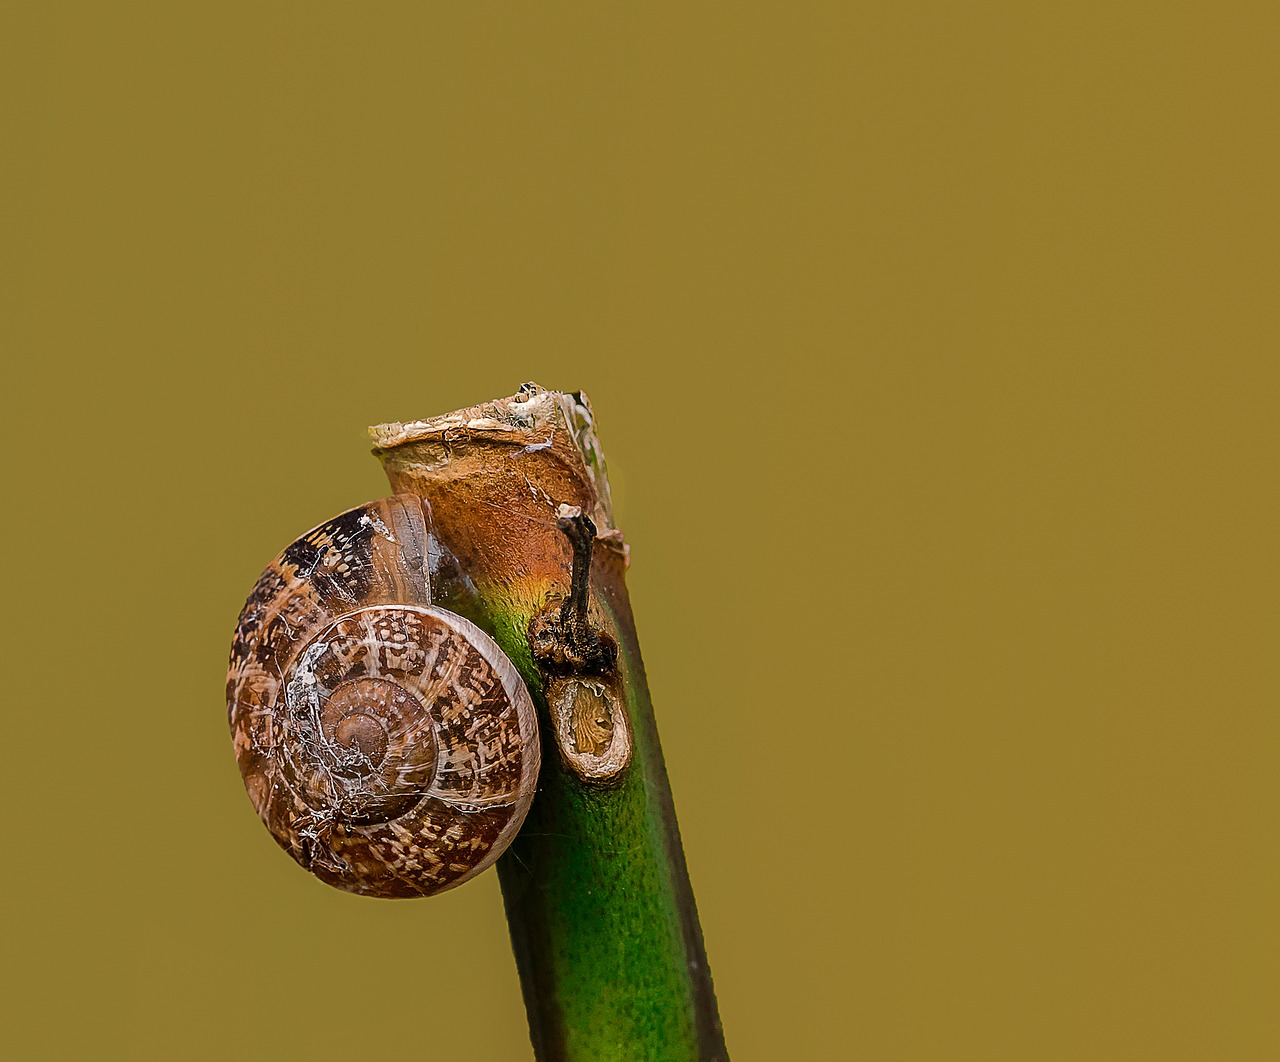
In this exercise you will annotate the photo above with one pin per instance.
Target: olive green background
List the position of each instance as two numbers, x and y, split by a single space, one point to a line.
934 349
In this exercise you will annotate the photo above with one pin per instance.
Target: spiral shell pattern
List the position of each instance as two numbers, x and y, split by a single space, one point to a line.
388 745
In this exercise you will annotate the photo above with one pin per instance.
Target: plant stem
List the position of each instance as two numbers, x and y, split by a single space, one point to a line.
602 916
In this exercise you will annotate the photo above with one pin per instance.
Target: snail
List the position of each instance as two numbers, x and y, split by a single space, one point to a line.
388 744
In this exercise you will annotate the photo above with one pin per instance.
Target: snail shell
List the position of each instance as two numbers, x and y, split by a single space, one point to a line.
388 745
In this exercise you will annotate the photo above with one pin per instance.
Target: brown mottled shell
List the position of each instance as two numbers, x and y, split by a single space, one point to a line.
389 745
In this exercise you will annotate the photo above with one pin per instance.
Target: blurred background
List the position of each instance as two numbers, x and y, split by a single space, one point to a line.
934 353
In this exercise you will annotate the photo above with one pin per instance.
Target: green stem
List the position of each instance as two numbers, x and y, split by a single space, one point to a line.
602 915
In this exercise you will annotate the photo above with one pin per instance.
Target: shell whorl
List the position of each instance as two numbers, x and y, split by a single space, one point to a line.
388 745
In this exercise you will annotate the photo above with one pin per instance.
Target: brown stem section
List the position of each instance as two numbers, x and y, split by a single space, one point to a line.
581 533
564 640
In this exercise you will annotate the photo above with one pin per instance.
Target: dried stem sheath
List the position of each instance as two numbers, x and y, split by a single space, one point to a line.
602 917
